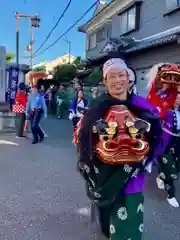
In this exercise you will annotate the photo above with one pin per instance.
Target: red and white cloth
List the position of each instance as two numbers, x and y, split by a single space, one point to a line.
19 108
20 103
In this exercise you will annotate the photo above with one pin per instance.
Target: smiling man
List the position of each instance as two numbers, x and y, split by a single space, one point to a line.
117 142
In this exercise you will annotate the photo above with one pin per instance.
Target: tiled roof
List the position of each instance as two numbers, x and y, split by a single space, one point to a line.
145 44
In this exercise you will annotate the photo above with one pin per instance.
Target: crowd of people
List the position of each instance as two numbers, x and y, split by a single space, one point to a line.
120 137
32 103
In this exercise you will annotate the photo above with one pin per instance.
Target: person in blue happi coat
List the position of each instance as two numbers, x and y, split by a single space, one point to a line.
35 109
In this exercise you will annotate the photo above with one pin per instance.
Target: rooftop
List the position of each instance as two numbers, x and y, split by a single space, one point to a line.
139 46
101 7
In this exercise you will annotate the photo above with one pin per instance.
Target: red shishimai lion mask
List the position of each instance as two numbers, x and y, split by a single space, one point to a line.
164 84
164 73
121 137
169 74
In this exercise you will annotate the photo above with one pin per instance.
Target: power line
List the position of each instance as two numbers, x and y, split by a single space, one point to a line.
55 26
71 27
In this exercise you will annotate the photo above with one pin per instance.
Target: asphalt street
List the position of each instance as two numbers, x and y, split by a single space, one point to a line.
41 194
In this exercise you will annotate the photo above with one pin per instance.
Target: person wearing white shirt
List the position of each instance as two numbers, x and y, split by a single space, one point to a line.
79 102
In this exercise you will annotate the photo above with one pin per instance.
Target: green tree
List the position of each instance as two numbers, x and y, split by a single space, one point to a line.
40 69
10 57
64 73
95 77
77 61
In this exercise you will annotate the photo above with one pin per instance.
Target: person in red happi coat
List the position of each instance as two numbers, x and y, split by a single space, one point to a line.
19 108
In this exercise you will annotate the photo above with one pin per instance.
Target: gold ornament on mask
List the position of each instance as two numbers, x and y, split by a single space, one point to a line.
133 132
129 124
105 130
94 129
112 128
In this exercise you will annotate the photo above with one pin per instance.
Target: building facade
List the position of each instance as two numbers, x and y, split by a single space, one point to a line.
49 66
149 31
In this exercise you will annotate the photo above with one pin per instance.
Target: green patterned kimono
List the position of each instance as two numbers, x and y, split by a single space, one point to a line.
126 221
115 215
169 168
129 213
169 162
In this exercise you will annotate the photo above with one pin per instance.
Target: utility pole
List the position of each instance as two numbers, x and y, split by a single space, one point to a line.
69 43
34 22
17 37
69 48
31 44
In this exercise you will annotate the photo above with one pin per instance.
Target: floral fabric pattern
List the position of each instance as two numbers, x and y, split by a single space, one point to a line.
127 219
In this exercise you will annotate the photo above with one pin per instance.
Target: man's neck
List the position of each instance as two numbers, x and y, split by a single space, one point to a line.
121 97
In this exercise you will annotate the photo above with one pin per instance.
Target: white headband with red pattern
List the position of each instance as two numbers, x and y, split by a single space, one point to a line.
120 64
113 63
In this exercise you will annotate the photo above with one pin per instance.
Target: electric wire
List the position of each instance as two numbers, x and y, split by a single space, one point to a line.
70 28
55 26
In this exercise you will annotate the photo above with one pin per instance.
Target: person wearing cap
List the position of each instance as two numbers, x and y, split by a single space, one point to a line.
118 140
19 108
35 109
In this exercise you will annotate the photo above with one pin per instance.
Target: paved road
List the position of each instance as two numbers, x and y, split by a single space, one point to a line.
41 192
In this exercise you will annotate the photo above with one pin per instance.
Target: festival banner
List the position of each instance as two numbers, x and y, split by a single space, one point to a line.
13 82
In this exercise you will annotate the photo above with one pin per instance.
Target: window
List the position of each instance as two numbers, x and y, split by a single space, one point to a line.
92 41
101 35
171 4
132 19
128 21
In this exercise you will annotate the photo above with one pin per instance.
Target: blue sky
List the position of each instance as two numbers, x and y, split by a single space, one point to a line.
49 12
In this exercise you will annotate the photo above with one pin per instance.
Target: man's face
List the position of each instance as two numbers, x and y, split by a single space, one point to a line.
117 81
